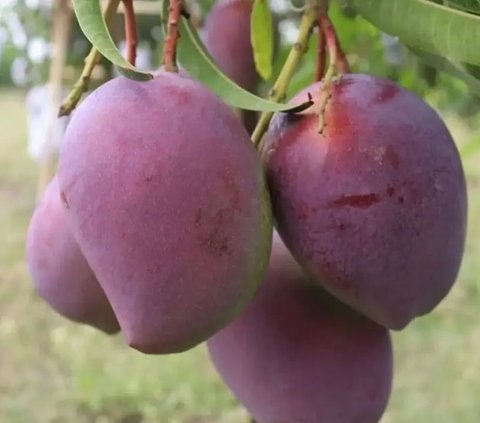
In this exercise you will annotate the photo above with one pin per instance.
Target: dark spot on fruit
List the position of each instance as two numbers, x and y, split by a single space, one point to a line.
223 216
198 217
373 395
302 215
392 157
216 242
390 191
231 187
386 92
63 197
358 201
401 200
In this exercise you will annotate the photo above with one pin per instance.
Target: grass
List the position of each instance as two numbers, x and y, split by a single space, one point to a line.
54 371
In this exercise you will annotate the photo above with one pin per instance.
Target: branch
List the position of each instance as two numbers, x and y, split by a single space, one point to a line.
321 55
279 89
93 58
130 31
171 40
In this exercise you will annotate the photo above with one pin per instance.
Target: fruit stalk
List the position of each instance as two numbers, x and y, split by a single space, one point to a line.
279 89
81 86
321 55
337 60
330 34
171 40
130 31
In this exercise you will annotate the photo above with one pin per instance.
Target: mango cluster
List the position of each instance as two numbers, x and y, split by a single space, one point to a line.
159 224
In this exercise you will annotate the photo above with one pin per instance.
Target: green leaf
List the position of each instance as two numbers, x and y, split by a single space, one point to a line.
92 23
262 38
193 56
472 6
427 26
454 69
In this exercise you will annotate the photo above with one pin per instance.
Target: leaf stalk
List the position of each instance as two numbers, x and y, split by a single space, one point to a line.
280 87
93 58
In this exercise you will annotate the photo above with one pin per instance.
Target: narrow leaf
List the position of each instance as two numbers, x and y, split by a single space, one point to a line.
427 26
454 69
262 37
92 23
472 6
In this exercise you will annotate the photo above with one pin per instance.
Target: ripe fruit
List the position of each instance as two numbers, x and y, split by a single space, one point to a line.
166 196
61 275
227 37
297 355
226 34
375 208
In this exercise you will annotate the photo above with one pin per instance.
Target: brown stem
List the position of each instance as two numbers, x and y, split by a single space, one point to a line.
171 40
333 43
130 31
321 55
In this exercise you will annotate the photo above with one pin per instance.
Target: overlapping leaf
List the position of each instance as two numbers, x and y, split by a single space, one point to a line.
472 6
193 56
262 34
429 26
92 23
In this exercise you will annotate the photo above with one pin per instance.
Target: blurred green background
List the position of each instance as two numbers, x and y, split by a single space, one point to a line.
55 371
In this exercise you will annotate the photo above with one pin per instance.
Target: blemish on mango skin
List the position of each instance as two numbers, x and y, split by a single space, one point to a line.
386 92
358 201
390 191
63 197
213 228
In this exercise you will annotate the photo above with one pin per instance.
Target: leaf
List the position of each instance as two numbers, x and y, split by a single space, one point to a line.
426 26
194 57
92 23
262 37
472 6
454 69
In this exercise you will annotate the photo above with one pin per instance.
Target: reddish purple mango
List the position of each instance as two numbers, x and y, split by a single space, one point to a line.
227 37
60 273
375 207
298 355
166 197
226 34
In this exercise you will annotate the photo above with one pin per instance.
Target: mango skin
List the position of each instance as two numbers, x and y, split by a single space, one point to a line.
60 273
298 355
375 208
166 197
226 34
